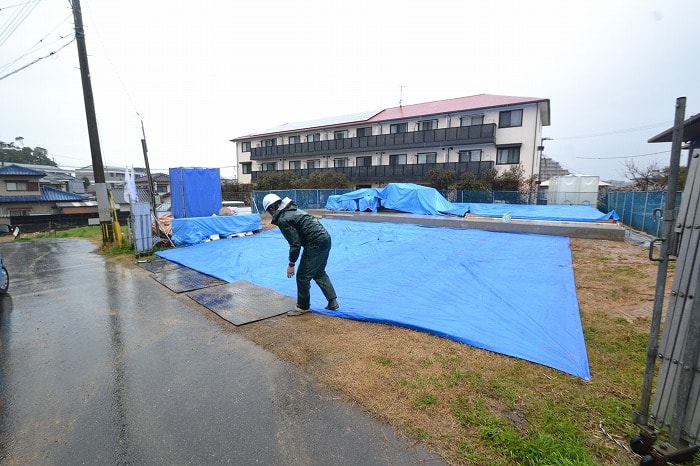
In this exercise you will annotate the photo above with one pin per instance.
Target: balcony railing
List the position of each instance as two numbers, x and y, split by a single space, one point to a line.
463 135
415 173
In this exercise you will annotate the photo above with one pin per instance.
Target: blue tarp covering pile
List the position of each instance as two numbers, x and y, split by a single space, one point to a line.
189 231
362 199
476 287
416 199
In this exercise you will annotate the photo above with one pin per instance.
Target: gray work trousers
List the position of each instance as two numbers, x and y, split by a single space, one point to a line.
313 262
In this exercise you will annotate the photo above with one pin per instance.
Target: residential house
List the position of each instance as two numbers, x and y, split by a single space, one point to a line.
161 183
22 194
114 176
402 144
57 178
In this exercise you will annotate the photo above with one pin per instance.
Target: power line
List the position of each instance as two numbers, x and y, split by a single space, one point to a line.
612 133
109 59
17 20
625 156
37 60
39 45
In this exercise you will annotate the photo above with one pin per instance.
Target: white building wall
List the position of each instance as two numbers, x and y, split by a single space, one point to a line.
528 135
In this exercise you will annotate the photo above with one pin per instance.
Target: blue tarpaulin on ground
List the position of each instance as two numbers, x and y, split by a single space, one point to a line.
476 287
569 213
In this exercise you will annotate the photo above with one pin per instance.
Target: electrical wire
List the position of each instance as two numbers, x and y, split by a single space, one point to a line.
17 19
38 46
625 156
37 60
613 133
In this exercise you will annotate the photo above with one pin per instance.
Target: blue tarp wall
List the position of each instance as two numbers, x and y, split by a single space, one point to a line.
196 192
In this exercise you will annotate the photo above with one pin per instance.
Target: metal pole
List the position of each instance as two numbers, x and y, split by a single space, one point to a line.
103 204
641 417
148 170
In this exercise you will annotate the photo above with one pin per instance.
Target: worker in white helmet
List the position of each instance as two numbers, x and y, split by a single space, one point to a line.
307 236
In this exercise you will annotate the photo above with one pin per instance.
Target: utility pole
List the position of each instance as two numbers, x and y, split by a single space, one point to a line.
103 204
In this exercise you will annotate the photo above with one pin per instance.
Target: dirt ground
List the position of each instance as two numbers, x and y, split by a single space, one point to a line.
369 363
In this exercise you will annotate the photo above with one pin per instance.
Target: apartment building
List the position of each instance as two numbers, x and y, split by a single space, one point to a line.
402 144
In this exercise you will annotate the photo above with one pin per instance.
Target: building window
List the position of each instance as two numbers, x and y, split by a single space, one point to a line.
269 142
470 155
313 137
398 128
471 120
16 186
427 125
295 164
246 168
310 164
427 157
340 134
363 161
20 212
269 166
510 118
245 146
508 155
364 132
397 159
339 163
294 139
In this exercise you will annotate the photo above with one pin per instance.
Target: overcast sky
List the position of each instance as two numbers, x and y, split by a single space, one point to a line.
198 74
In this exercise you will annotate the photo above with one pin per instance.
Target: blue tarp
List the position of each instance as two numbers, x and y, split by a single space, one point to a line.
195 192
413 198
476 287
362 200
416 199
189 231
570 213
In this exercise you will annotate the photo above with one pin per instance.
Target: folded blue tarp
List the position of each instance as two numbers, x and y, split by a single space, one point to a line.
570 213
194 230
477 287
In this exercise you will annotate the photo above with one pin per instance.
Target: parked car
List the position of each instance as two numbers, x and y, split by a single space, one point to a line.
4 277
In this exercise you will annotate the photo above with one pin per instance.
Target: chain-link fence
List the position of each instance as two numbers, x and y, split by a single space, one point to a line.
638 210
306 199
641 210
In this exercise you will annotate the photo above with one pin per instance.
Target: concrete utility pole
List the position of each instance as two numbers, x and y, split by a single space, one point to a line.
103 204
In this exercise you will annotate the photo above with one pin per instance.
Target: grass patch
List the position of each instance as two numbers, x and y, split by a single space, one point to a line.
383 361
93 233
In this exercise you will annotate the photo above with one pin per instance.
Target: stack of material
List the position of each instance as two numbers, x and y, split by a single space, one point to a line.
163 229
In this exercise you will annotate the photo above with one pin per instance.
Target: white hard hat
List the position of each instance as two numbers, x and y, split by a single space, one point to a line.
270 199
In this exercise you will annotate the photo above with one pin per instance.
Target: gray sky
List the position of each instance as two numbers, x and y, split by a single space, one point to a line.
198 74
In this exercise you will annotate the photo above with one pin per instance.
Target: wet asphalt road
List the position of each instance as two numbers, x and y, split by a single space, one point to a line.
101 364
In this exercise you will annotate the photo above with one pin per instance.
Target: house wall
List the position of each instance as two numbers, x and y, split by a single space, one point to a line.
33 188
528 135
32 208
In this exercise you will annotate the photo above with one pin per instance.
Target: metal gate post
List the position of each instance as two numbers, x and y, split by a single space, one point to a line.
678 382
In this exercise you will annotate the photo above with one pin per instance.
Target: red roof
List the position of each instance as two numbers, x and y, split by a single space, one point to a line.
459 104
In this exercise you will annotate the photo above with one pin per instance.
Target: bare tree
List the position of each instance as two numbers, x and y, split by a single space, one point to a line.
649 178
